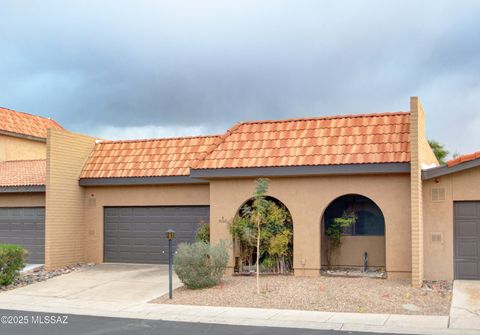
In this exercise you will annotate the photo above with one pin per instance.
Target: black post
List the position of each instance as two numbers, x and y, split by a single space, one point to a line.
170 261
170 235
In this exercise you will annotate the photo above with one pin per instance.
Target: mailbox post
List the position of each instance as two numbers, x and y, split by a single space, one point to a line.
170 236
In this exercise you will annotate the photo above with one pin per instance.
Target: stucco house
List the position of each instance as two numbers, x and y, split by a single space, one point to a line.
72 198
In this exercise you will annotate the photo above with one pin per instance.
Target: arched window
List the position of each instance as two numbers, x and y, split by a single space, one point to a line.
370 221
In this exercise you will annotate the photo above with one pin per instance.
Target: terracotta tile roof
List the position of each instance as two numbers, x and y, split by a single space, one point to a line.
25 124
350 139
146 158
22 173
463 159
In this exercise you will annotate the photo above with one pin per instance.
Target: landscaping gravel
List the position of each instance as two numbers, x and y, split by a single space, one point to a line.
40 274
331 294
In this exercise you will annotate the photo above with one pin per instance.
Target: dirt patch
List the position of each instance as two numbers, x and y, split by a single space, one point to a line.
330 294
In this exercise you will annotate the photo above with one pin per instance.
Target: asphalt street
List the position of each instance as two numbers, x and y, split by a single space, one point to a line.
26 323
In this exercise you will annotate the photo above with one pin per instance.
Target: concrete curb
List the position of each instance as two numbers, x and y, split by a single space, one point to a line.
361 322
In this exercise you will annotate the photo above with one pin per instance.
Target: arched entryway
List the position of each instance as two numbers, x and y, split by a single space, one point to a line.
276 238
361 226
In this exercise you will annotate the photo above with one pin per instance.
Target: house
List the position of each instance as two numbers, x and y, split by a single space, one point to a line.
112 201
23 153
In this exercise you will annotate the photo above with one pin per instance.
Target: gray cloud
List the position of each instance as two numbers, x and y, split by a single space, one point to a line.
172 67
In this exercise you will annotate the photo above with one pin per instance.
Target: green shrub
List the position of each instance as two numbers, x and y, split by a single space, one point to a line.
200 264
203 233
12 260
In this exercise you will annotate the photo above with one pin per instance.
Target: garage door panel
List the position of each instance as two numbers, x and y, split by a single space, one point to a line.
137 234
24 226
467 239
468 270
466 210
466 249
467 228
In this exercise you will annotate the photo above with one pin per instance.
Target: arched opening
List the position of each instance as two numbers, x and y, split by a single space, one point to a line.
276 238
358 224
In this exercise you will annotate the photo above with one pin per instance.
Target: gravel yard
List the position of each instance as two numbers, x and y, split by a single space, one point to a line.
335 294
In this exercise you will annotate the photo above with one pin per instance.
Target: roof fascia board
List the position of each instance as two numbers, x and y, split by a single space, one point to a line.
22 189
379 168
444 169
133 181
27 137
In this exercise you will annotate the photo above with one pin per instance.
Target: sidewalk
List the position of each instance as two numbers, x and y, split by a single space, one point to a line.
388 323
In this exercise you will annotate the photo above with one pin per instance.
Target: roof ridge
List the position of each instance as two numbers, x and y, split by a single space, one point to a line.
158 139
339 116
215 145
29 114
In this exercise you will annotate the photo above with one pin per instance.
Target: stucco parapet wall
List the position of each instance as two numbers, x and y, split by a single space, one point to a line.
316 170
137 181
22 189
444 169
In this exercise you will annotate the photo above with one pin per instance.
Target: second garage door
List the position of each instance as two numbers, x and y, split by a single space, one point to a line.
137 234
24 226
467 240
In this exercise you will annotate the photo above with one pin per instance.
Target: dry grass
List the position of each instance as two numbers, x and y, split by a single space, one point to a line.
335 294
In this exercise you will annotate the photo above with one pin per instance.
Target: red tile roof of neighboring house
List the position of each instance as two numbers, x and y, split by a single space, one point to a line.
463 159
25 124
22 173
146 158
350 139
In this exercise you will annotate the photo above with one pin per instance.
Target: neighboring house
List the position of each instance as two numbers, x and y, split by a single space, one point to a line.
23 153
111 201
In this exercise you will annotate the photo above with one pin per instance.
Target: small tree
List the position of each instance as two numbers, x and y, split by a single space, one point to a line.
439 150
258 215
271 245
334 233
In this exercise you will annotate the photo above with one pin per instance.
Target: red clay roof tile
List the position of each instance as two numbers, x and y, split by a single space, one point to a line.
463 159
351 139
25 124
146 158
22 173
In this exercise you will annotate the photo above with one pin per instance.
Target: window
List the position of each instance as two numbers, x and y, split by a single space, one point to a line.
370 221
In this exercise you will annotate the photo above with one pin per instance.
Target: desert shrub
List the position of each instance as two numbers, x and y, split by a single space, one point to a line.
12 260
203 233
200 264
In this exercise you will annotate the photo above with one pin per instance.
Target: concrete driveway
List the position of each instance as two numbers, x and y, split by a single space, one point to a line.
111 286
465 309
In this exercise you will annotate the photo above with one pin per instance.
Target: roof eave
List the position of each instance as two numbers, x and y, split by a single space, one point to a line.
23 189
24 136
314 170
138 181
445 170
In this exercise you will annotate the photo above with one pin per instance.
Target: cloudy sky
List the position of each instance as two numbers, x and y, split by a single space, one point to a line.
131 69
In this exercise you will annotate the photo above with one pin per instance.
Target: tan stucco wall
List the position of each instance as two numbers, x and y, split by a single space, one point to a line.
96 198
438 218
64 213
307 197
22 200
352 249
15 148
